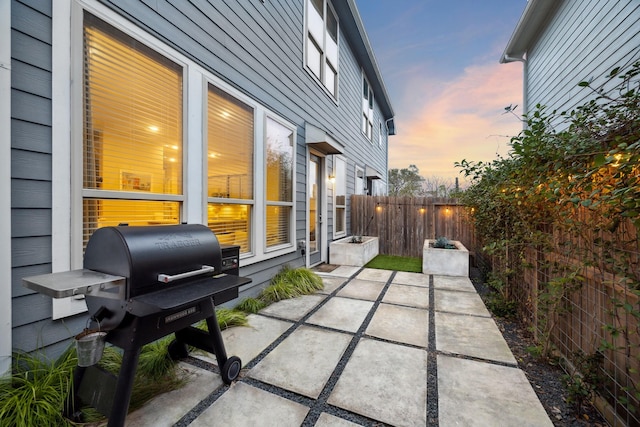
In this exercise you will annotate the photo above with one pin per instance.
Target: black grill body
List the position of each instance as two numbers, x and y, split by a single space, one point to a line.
173 279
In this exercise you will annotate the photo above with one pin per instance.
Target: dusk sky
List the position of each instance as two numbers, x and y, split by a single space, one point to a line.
439 61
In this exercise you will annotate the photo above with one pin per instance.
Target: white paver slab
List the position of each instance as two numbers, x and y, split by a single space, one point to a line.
412 296
331 284
293 308
328 420
304 361
386 382
460 302
246 406
413 279
471 336
374 274
247 342
472 393
453 283
342 271
166 409
362 289
400 324
344 314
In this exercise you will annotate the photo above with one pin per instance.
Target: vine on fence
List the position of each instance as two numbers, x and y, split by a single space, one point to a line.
573 193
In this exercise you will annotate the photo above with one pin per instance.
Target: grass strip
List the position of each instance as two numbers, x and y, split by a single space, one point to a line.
396 263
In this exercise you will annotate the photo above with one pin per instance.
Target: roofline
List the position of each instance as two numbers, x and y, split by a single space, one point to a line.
533 21
364 52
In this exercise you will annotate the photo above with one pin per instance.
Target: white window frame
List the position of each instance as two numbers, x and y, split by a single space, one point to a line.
368 104
328 52
292 216
67 191
340 180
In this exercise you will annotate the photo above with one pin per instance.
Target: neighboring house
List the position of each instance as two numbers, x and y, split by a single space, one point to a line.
258 118
564 42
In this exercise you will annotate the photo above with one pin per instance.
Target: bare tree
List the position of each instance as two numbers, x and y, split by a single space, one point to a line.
437 186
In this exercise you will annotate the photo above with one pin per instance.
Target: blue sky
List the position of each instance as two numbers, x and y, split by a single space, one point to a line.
439 61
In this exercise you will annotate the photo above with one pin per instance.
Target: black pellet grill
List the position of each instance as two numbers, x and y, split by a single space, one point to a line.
141 284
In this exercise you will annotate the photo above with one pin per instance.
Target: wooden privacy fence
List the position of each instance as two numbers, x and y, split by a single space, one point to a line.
403 223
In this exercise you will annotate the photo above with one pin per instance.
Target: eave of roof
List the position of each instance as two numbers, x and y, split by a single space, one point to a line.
352 26
533 21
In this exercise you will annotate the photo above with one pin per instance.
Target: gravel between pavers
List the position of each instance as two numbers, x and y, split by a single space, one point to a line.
544 377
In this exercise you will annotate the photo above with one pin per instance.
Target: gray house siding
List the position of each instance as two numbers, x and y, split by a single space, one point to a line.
255 47
582 41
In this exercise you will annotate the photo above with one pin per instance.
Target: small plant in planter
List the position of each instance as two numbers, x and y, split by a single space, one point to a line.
443 243
356 239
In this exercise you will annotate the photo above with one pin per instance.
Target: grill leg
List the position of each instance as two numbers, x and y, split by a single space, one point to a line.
72 405
123 388
216 338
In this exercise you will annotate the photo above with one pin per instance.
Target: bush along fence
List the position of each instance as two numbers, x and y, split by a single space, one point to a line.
559 219
403 223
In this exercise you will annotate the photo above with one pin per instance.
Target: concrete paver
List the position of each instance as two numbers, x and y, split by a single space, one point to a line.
168 408
341 271
460 302
248 342
471 336
413 279
246 406
374 274
383 377
304 361
328 420
331 284
344 314
453 283
362 289
293 308
400 324
411 296
481 394
386 382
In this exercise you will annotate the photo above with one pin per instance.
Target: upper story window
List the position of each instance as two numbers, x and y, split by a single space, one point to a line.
367 108
132 132
321 41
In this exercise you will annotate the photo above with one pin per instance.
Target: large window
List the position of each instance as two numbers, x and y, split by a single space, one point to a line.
132 132
279 159
230 131
340 198
322 43
367 108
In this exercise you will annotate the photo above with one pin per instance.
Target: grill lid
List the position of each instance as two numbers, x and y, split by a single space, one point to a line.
155 256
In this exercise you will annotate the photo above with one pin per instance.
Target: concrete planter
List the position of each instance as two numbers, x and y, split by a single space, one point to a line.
342 252
445 262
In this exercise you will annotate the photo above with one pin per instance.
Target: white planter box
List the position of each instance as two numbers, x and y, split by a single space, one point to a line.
445 262
341 252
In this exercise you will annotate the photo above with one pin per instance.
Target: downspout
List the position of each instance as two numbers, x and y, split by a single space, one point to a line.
525 81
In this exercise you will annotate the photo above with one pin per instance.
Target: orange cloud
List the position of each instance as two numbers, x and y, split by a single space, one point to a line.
459 119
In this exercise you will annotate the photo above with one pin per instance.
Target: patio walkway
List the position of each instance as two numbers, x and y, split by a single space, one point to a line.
375 347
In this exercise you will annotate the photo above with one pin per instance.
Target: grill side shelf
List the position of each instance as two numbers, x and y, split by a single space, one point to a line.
75 282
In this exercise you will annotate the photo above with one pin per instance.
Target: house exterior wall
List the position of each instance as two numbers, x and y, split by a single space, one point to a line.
583 40
254 47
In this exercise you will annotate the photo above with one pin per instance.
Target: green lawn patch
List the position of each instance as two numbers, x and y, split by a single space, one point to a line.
397 263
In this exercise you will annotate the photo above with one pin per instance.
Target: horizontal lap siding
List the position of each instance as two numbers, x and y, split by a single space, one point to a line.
31 174
256 47
582 42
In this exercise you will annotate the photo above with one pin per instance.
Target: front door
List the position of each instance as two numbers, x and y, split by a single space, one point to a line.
315 209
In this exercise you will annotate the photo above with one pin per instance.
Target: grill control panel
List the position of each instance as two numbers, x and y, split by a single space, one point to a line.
230 259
